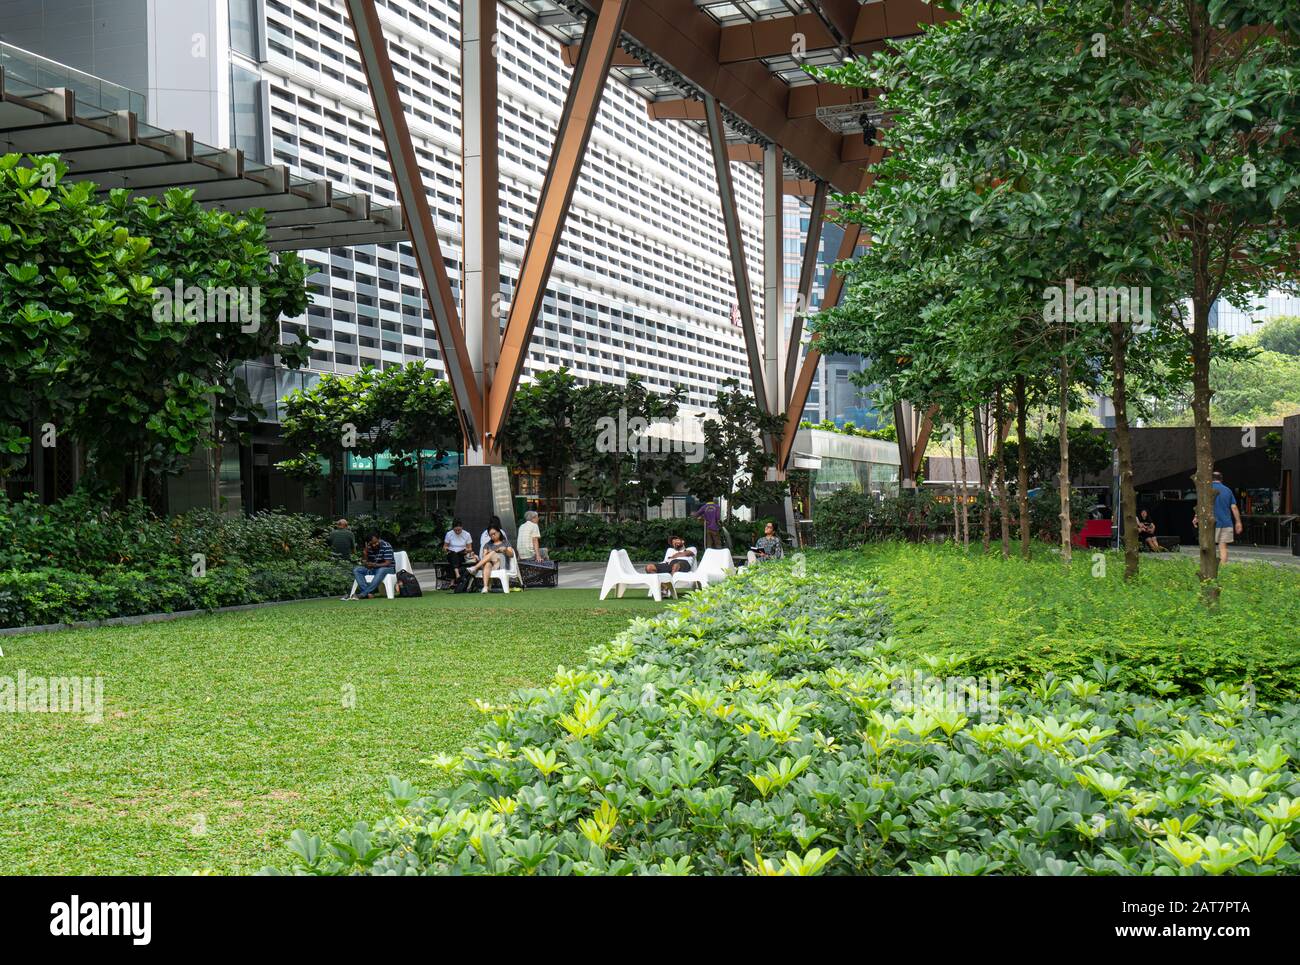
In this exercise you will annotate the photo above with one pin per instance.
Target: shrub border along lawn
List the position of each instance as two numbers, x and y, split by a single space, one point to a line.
760 727
142 618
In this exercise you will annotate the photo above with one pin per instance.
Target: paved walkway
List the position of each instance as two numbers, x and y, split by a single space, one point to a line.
573 576
1238 553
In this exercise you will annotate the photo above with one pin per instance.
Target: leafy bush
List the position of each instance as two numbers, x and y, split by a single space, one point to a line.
583 537
81 534
848 518
1028 619
46 595
758 728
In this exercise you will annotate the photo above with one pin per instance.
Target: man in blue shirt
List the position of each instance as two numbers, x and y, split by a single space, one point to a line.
376 563
1227 518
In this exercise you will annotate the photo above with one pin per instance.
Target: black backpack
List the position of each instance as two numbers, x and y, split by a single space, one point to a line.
408 585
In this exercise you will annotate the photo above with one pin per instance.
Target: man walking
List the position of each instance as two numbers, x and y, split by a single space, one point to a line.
1227 517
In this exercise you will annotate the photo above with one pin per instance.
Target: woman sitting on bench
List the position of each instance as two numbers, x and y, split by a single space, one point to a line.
495 552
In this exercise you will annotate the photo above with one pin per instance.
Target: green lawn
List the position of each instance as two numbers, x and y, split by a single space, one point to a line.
1035 617
222 734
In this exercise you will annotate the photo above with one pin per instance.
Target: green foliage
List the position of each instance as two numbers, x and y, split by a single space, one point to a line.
83 535
45 595
606 472
583 537
83 342
539 431
736 463
1281 335
848 518
1090 453
1028 619
768 726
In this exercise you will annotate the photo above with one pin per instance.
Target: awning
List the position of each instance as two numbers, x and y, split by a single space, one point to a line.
115 149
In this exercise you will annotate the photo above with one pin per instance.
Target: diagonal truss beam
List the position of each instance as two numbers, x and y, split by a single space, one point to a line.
415 205
599 42
808 371
811 248
736 246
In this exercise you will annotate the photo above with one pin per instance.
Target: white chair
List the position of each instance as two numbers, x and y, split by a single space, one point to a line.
714 567
400 562
620 574
505 574
691 579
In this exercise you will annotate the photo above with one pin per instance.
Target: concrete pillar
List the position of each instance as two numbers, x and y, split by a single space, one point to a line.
481 242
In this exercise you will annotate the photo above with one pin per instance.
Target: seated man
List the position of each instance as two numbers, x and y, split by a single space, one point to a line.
457 543
678 558
530 537
768 546
376 563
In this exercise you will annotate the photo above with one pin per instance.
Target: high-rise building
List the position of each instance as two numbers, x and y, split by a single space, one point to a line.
642 281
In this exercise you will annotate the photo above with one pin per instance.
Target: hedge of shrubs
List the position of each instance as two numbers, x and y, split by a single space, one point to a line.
46 596
79 560
584 537
847 518
760 728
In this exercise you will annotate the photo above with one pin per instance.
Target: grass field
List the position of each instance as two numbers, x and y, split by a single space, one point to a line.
222 734
998 615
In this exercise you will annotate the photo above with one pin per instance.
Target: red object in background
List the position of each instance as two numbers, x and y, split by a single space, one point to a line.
1093 529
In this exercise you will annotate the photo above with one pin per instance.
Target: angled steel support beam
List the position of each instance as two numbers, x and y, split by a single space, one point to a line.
736 246
773 275
811 248
599 42
808 371
415 205
481 205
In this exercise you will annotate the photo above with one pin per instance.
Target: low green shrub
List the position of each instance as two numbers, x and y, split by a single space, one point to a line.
582 537
848 518
759 727
81 534
43 596
1031 618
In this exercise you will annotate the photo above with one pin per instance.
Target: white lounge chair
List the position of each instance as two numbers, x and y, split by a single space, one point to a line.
620 574
400 562
691 579
714 567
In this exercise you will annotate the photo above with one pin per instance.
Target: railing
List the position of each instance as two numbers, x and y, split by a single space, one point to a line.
26 67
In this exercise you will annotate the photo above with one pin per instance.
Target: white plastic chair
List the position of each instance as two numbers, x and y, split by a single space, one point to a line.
691 579
509 572
621 574
401 561
714 567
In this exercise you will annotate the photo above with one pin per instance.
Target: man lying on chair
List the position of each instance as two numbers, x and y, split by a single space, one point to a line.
678 558
376 563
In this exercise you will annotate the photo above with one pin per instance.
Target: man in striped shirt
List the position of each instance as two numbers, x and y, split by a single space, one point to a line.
376 563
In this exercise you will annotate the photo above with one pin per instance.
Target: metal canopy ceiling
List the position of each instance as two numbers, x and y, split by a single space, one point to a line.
744 53
115 149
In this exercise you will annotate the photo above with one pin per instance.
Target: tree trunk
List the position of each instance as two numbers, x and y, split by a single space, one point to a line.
214 467
1022 476
1123 443
965 512
1004 509
1199 235
981 423
1063 436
